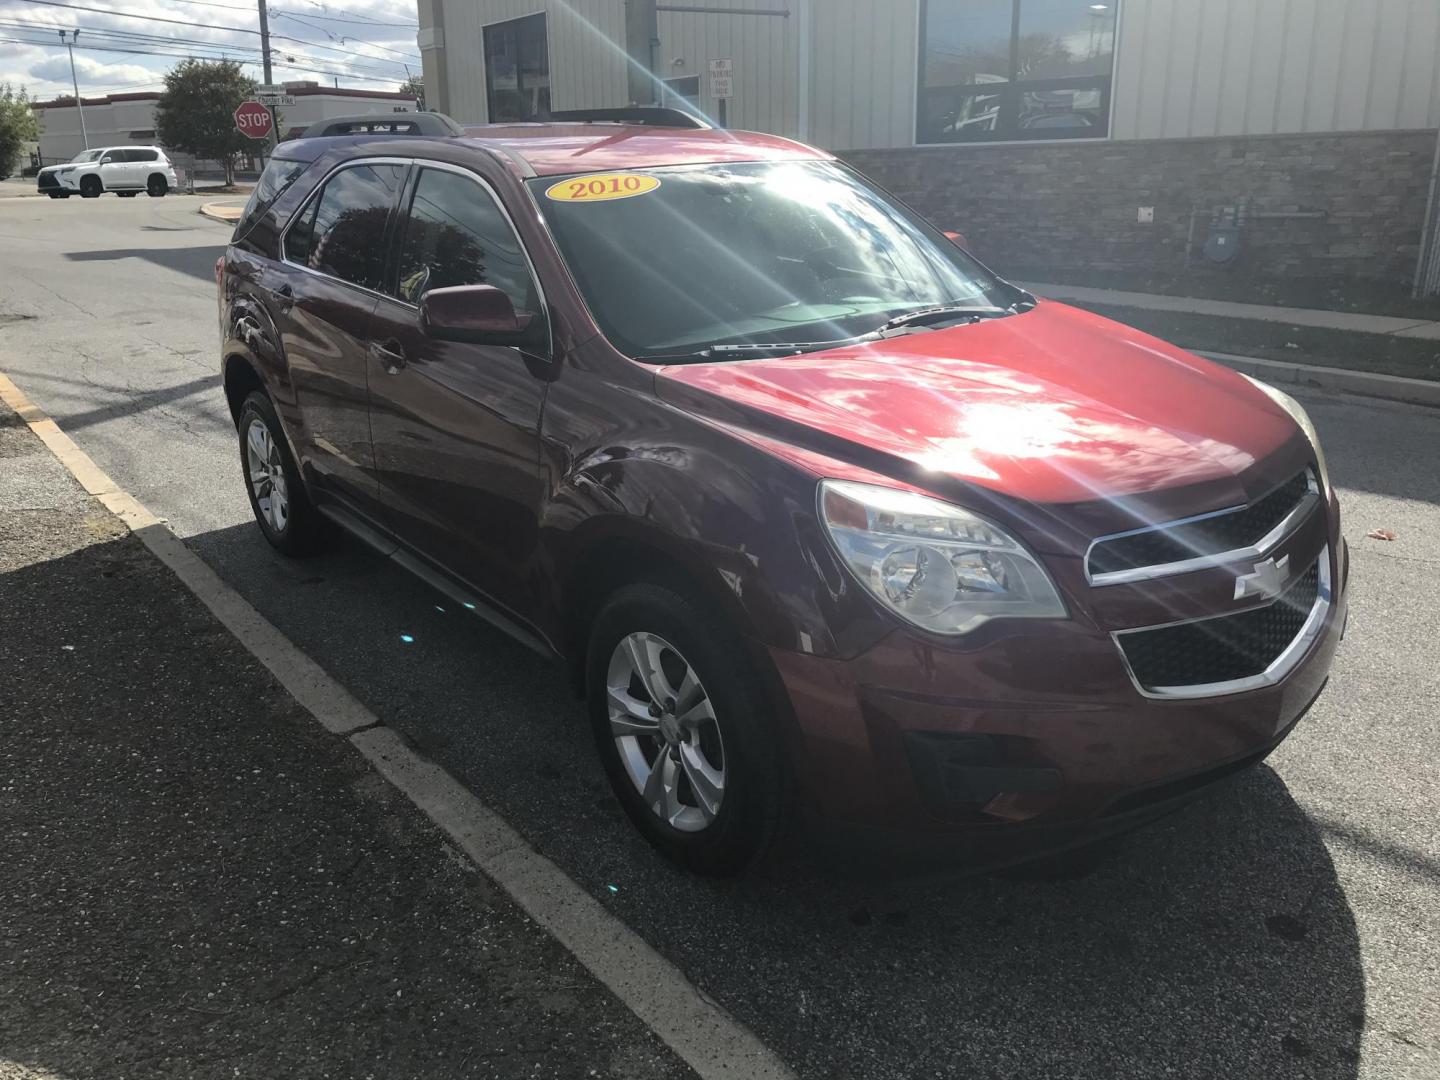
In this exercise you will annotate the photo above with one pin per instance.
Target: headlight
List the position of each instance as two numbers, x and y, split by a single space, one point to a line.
1300 416
935 565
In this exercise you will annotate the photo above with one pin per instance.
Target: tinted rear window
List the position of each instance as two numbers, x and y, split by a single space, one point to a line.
279 174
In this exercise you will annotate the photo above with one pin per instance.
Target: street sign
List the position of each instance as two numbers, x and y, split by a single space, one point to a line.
275 99
722 79
254 120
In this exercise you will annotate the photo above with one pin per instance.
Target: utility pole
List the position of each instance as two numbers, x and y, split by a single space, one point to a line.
70 47
274 138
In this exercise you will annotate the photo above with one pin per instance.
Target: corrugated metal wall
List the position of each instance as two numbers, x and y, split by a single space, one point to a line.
762 47
1185 67
863 74
1260 67
587 52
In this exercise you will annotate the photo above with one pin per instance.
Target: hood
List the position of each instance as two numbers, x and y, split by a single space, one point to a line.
1052 405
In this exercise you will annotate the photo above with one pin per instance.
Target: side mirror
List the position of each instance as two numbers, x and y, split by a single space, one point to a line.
480 315
958 239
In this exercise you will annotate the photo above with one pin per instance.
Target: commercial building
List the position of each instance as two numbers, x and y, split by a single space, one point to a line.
121 119
1120 134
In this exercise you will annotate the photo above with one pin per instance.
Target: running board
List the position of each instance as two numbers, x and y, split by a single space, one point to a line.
441 583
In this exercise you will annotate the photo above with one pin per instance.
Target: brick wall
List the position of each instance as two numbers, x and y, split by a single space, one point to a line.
1073 206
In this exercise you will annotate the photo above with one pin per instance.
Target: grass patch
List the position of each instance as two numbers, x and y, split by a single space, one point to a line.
1380 353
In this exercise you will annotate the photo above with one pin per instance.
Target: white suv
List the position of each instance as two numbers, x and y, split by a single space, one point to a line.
125 170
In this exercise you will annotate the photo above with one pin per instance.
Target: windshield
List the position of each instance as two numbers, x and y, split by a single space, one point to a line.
673 261
87 155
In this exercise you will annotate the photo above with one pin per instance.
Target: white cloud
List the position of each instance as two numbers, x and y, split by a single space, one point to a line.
329 42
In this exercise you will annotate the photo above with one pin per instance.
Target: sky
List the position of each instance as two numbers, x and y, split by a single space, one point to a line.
126 46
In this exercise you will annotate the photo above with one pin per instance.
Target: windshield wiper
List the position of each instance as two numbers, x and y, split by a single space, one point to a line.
782 348
943 312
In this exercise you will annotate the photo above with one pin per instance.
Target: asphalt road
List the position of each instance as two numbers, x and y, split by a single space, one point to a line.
1289 927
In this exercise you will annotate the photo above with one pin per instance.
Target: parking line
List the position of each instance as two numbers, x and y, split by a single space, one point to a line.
700 1032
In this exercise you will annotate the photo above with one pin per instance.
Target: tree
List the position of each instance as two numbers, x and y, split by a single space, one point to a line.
196 113
415 87
17 127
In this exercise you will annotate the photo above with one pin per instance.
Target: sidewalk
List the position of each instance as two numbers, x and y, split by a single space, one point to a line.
196 881
1324 320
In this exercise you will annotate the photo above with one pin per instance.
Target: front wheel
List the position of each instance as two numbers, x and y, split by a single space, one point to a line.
684 730
278 499
90 187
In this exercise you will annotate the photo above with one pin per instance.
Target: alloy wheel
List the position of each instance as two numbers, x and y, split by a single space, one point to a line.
267 475
665 730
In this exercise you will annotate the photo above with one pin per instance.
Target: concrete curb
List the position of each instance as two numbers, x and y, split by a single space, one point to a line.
1366 383
219 212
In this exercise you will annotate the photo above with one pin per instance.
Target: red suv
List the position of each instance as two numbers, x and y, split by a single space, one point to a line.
823 517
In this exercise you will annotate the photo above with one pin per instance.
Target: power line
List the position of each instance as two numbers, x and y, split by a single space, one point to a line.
132 38
285 60
343 19
132 15
343 38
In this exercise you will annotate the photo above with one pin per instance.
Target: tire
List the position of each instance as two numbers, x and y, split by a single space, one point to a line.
292 525
725 727
127 194
91 187
156 187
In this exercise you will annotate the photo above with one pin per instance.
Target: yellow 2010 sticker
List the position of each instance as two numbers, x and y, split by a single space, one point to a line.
602 187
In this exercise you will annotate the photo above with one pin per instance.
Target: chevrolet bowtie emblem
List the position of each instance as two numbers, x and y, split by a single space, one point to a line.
1267 580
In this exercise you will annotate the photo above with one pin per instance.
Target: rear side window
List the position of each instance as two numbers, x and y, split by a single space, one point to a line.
279 174
344 227
143 155
456 235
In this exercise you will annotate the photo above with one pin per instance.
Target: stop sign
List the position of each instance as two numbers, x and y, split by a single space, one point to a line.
253 119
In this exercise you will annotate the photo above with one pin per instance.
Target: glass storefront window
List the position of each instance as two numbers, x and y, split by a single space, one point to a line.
1016 69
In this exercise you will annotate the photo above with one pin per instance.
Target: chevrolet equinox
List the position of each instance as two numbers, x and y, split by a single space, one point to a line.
824 518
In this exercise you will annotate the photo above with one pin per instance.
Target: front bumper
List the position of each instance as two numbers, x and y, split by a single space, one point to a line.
1029 741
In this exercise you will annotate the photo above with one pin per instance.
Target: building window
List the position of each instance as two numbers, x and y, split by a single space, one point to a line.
517 70
1015 69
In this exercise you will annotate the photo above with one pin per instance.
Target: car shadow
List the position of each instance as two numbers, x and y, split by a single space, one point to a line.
197 262
1217 943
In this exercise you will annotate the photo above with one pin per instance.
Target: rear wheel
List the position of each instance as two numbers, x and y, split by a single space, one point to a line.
277 496
90 187
684 730
157 186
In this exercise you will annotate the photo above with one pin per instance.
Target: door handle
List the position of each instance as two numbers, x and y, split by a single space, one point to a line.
285 294
389 355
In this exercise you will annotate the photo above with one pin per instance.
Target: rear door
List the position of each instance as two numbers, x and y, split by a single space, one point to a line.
456 425
321 298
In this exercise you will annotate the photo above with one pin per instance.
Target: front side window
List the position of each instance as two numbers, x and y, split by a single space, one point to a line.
455 234
1015 69
517 70
751 255
342 231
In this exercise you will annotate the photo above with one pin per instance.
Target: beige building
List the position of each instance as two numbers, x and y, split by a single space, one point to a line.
129 119
1129 96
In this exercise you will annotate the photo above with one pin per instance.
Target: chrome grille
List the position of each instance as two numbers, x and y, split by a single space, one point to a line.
1177 547
1226 654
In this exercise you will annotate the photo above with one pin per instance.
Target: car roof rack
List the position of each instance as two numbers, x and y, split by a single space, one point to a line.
416 123
649 115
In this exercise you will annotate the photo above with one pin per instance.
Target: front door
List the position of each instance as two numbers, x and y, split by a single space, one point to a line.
322 298
456 426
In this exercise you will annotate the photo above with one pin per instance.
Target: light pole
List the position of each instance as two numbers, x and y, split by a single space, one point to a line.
70 47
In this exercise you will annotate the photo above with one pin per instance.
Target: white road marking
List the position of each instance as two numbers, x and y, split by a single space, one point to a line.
700 1032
